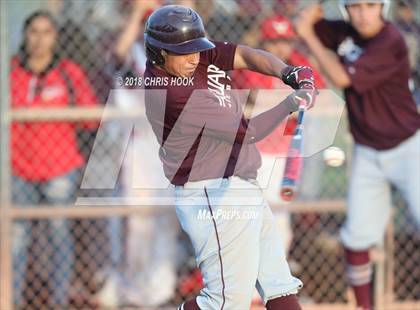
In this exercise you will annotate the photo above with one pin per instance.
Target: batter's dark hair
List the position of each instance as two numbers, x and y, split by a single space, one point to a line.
23 54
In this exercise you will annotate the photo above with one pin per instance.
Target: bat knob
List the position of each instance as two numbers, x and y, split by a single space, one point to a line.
287 193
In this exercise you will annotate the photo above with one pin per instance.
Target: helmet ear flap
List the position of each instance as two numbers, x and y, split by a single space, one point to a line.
154 54
386 6
344 13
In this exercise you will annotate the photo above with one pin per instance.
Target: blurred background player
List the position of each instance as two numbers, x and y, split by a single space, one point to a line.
374 70
45 165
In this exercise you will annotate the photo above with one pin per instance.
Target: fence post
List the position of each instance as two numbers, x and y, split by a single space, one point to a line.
380 276
390 264
5 219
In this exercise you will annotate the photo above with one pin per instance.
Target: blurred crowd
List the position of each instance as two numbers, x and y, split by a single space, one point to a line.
70 54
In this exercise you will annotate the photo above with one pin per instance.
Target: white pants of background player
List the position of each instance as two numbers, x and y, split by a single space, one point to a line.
237 242
369 197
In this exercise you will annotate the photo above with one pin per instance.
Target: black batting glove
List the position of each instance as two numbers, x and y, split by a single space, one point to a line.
298 77
302 79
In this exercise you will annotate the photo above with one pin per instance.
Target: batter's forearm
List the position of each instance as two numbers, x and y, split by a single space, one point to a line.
258 61
263 124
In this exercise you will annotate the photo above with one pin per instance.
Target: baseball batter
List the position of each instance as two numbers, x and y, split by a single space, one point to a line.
208 152
374 72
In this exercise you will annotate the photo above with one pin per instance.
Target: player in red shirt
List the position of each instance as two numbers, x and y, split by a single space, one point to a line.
373 69
45 155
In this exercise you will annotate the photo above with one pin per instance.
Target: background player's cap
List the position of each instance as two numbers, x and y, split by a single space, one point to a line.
176 29
343 3
277 28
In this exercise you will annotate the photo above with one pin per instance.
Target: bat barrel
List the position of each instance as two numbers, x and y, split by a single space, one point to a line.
293 166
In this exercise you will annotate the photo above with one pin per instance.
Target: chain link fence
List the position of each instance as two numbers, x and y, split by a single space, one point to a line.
93 246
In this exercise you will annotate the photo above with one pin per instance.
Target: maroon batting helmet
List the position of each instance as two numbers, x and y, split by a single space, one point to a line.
176 29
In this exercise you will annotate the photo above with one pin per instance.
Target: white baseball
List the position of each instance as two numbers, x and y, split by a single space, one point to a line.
334 156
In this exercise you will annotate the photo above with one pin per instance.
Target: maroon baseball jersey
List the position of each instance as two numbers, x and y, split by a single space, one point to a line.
381 109
201 133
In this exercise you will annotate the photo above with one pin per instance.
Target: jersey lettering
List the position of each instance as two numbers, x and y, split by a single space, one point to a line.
217 87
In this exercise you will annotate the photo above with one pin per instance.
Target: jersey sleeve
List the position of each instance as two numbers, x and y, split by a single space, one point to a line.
330 32
373 68
223 55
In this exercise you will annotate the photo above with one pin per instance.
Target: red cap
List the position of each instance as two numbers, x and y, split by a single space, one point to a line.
147 14
277 27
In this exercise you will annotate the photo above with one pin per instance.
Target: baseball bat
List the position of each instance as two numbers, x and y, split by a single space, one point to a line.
293 166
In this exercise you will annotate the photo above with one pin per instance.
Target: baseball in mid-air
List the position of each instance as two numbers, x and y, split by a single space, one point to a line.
334 156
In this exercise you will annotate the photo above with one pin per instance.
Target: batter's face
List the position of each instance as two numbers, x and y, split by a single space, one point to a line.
181 65
366 18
